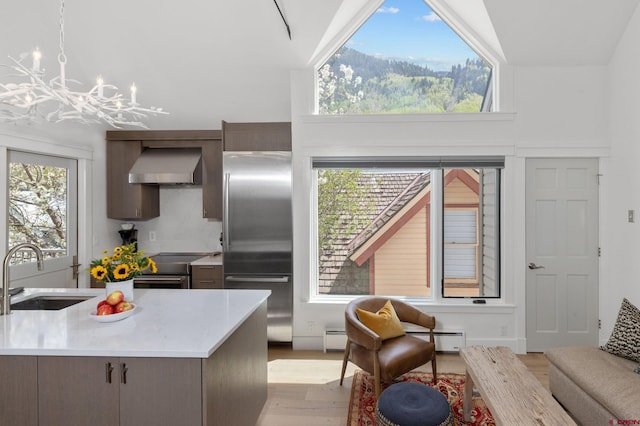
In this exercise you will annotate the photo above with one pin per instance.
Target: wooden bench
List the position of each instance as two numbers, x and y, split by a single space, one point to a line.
510 390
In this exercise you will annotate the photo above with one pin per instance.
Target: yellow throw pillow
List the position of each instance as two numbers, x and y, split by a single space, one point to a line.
385 323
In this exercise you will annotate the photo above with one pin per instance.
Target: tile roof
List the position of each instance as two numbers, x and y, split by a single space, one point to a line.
388 193
411 190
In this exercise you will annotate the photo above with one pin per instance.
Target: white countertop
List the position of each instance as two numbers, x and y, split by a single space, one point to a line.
166 323
208 261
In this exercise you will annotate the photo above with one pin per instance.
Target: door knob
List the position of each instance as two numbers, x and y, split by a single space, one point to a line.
534 266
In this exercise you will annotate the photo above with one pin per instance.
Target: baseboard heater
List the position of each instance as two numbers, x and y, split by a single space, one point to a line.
446 341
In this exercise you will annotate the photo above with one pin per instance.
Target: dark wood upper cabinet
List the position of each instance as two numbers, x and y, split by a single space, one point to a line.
212 180
139 201
256 136
128 201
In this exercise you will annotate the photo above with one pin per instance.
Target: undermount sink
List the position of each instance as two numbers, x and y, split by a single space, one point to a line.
48 303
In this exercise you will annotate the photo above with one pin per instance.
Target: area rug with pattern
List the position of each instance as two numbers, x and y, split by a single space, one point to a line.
362 406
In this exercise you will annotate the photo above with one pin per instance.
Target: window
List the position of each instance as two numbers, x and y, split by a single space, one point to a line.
375 222
39 202
404 59
470 232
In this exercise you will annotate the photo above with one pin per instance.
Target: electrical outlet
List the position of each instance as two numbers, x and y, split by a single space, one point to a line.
152 235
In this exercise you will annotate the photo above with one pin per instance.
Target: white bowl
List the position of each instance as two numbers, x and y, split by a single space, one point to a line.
113 317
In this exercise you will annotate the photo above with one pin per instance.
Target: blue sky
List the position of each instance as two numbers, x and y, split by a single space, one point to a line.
409 30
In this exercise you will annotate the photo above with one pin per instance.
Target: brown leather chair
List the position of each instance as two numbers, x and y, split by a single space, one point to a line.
393 357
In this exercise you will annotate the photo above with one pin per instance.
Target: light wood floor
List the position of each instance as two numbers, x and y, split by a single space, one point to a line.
304 386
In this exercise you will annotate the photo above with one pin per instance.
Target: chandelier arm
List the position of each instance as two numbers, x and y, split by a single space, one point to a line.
85 107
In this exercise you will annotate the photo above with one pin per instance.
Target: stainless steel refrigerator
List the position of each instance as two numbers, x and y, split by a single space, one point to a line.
257 232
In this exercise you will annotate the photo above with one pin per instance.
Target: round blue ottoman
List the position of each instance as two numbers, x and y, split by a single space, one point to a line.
412 404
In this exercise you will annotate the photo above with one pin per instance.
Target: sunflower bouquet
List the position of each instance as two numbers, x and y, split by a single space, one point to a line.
124 263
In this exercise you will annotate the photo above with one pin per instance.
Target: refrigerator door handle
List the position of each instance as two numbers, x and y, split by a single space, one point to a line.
225 214
284 279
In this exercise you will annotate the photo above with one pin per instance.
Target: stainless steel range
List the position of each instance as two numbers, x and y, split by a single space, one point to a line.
174 271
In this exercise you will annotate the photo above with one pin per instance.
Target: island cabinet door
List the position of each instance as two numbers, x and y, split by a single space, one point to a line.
160 391
78 391
18 390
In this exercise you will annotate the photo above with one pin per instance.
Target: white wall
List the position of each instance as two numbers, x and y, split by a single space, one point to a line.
621 182
557 112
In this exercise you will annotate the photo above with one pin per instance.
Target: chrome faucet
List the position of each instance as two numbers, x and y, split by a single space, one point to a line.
6 300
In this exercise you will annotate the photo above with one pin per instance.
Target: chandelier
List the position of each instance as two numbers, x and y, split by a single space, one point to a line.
34 97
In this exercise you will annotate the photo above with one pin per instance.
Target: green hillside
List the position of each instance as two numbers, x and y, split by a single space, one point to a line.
352 82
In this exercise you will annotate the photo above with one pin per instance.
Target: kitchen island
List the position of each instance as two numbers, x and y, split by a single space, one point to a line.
188 357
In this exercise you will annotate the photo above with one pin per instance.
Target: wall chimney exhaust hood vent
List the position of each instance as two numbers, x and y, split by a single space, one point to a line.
168 166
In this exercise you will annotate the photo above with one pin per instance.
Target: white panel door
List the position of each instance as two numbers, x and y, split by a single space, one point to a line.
43 211
562 253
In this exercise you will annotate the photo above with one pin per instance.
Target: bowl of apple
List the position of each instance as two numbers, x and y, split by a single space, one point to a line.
113 308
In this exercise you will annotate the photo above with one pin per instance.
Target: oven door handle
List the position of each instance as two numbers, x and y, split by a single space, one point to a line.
284 279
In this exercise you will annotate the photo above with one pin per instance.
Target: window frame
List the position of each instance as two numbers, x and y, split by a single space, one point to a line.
479 238
408 164
484 51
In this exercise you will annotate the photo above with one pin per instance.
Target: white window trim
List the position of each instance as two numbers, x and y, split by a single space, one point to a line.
436 298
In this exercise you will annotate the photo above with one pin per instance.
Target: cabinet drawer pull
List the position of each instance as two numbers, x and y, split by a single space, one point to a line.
108 371
123 373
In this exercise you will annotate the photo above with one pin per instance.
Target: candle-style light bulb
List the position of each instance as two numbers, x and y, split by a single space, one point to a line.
100 83
134 89
37 55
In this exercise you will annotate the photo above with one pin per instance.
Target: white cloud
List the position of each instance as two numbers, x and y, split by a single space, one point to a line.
432 17
390 9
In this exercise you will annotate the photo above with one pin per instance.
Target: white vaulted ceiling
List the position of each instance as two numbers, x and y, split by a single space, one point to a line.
559 32
199 58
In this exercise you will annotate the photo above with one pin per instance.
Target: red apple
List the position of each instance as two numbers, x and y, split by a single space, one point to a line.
102 302
105 310
115 297
122 307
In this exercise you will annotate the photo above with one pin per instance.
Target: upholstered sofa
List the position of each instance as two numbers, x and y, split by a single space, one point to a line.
594 386
600 386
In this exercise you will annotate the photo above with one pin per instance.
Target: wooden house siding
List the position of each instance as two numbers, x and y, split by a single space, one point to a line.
459 194
461 259
489 231
400 263
367 250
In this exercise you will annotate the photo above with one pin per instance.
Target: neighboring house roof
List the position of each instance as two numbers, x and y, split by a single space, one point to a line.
401 210
414 187
385 190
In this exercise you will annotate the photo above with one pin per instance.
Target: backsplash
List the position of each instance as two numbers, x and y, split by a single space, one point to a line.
180 226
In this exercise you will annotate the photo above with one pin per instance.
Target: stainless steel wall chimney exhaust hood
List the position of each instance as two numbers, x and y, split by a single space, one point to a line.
168 166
